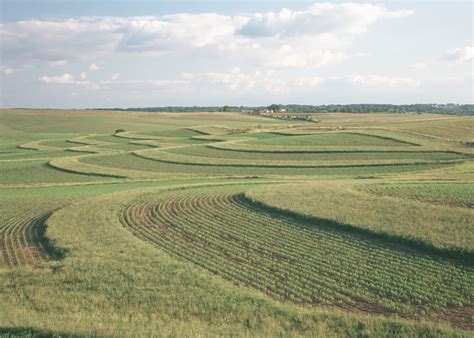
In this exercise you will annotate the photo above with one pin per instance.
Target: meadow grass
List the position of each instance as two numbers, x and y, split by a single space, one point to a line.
28 172
129 288
309 262
459 129
170 156
323 139
139 162
438 226
28 155
181 132
235 225
453 194
65 144
335 155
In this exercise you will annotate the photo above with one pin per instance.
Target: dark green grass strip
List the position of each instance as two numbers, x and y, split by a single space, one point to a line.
388 139
353 133
64 170
200 132
263 165
43 172
270 151
327 139
132 161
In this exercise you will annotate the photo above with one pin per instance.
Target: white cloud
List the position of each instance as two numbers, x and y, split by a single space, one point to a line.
177 31
7 70
301 56
419 65
61 79
459 55
247 82
58 39
309 82
384 81
152 83
324 18
93 67
314 36
234 80
58 63
68 79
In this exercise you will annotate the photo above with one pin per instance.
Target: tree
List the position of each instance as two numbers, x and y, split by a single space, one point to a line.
275 107
227 109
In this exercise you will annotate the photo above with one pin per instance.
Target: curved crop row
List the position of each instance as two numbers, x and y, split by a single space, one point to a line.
265 148
178 158
37 145
306 263
327 139
100 144
22 241
144 166
209 151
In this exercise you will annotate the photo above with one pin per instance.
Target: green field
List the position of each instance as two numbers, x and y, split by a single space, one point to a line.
227 224
452 194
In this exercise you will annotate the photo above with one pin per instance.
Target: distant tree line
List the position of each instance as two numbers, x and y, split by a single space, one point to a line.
187 109
449 108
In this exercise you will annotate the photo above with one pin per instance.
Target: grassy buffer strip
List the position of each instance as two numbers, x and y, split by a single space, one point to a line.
174 158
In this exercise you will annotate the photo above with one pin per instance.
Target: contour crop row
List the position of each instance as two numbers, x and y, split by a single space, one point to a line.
304 263
22 241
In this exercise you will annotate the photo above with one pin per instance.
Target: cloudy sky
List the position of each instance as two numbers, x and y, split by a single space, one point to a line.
154 53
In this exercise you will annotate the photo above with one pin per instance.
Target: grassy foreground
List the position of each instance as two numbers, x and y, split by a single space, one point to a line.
200 224
128 287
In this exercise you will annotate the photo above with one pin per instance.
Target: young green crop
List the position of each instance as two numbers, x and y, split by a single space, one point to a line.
439 227
304 262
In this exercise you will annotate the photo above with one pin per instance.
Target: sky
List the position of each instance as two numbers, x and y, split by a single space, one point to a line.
85 54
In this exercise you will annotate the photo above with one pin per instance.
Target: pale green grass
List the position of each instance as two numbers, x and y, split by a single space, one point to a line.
212 152
454 194
139 163
312 262
322 139
27 172
439 226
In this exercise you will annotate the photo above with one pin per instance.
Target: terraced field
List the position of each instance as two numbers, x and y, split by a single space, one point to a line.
209 157
213 152
38 171
303 262
160 164
324 139
226 224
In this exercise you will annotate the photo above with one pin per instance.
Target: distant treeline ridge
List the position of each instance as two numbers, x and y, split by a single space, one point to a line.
450 108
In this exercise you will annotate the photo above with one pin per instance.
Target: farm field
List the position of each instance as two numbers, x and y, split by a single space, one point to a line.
230 224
